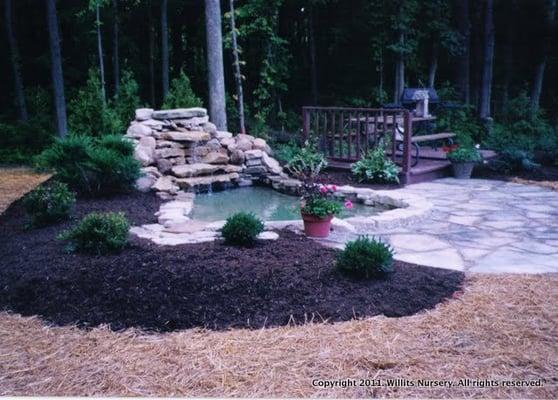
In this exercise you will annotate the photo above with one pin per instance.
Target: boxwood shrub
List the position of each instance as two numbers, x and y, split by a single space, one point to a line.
242 229
365 258
49 203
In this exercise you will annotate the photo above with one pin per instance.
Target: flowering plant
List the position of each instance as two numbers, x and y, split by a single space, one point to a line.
320 200
463 154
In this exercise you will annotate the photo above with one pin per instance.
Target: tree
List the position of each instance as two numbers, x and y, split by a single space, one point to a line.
96 6
56 68
463 58
546 42
216 75
508 52
151 56
115 45
488 60
164 48
237 74
313 63
14 52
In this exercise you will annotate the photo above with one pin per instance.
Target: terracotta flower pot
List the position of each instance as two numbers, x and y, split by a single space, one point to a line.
462 170
315 226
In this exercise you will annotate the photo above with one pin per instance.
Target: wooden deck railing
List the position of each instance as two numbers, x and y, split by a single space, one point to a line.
344 134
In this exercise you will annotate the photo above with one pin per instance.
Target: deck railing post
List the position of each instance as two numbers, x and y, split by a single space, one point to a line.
407 127
305 123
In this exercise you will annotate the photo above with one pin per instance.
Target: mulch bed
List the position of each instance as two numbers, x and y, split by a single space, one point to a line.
544 173
337 177
291 280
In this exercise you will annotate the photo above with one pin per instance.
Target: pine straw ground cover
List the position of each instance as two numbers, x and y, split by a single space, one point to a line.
15 182
501 328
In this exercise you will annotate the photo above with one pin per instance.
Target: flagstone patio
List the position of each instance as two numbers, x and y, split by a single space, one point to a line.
478 226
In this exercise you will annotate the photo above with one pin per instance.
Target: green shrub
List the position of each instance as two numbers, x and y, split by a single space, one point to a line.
464 154
94 167
306 162
88 114
515 152
285 152
375 167
49 203
127 100
242 229
181 94
98 233
365 258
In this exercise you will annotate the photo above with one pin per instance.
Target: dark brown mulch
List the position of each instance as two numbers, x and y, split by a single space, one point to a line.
337 177
544 173
206 285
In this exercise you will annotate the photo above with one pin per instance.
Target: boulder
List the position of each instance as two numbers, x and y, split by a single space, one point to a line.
223 135
251 154
200 151
148 141
237 157
271 164
253 162
151 123
227 141
192 136
144 183
189 170
259 144
188 183
151 171
215 157
192 122
143 114
245 136
210 128
180 113
256 170
164 165
167 143
138 131
214 144
232 168
165 184
169 152
145 155
243 143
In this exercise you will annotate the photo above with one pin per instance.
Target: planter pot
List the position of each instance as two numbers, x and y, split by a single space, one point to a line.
316 227
462 170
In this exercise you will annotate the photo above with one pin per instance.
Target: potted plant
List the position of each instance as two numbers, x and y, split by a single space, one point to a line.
318 207
463 160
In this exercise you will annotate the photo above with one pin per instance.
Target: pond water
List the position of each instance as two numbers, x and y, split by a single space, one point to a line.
266 203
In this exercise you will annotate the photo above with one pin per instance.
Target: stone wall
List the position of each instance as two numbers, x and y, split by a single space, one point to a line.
180 150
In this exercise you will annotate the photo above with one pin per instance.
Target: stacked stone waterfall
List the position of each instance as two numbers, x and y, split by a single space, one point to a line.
180 150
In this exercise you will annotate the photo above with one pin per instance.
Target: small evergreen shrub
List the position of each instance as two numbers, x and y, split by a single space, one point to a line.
365 258
306 162
98 233
93 166
49 203
242 229
127 100
375 167
181 94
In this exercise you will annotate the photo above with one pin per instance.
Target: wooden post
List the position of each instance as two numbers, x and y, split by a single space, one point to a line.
306 124
407 127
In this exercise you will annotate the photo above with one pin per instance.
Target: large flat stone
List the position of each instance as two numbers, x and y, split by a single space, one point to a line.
179 113
190 170
447 259
192 136
188 183
417 242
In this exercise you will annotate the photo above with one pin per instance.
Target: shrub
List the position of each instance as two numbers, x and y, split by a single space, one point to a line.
463 154
375 167
365 258
181 94
127 100
98 233
242 229
306 162
94 167
285 152
49 203
515 152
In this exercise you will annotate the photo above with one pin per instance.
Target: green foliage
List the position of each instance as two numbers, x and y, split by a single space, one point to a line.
95 167
87 112
321 207
98 233
464 154
285 152
49 203
127 100
242 229
181 94
375 167
365 258
306 162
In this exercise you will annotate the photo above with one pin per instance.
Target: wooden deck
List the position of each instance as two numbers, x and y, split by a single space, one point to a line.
432 164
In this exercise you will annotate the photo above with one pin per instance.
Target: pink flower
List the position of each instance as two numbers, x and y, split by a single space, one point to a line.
333 188
348 204
302 204
323 189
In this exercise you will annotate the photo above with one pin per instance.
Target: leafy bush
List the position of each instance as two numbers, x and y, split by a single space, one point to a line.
463 154
49 203
101 166
88 114
285 152
319 200
127 100
181 94
376 167
242 229
306 162
515 152
365 258
98 233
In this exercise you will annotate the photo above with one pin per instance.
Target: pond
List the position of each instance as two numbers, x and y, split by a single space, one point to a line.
264 202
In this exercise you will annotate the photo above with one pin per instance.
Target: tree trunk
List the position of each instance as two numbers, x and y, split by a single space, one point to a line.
537 86
488 60
463 61
237 74
164 48
116 60
313 64
399 74
56 68
477 61
215 68
100 52
508 55
151 56
433 65
14 52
